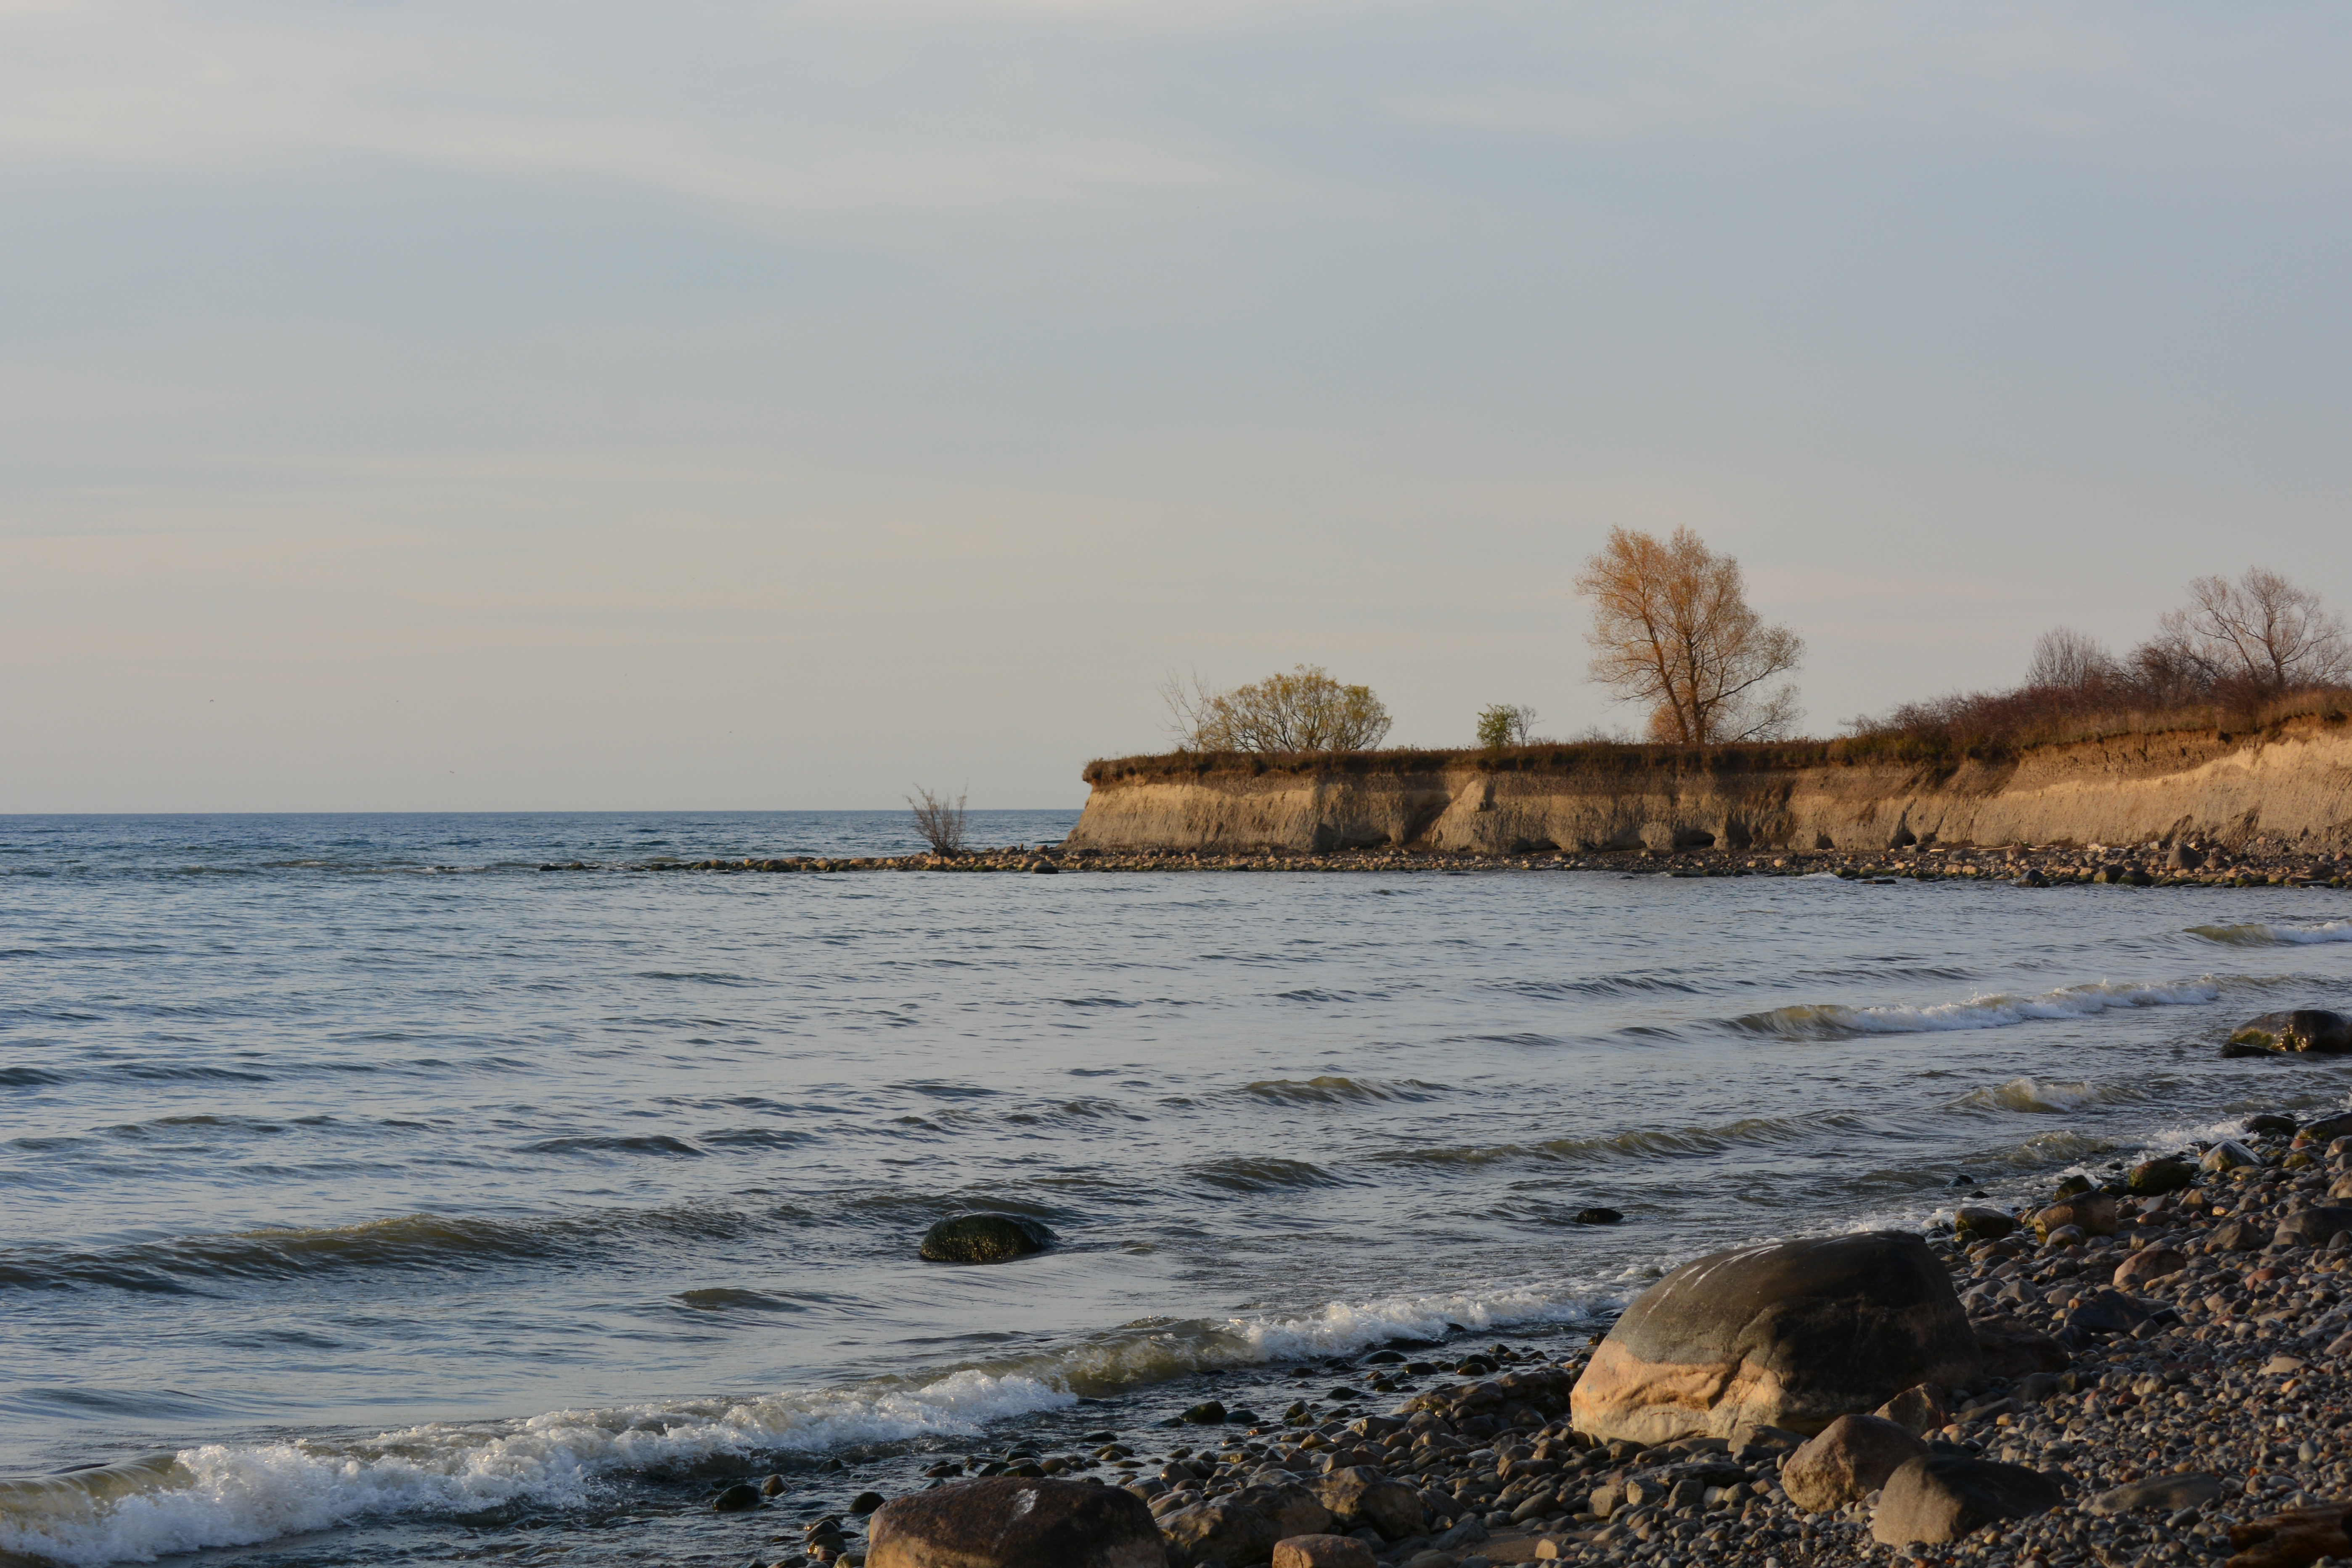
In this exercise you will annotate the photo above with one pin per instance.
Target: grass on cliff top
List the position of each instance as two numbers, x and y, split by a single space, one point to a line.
1923 743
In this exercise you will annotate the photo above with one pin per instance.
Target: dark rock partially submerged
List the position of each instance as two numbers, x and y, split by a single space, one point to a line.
985 1238
2312 1029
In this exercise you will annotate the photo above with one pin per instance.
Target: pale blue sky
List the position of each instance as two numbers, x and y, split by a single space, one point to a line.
440 406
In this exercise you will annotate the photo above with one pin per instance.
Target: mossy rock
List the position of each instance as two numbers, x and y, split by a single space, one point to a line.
1983 1224
2073 1185
2153 1176
2312 1029
985 1239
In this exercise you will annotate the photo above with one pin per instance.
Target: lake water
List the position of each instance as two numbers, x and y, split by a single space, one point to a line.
368 1193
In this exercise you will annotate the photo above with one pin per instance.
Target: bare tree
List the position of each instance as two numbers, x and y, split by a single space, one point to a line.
2260 632
2069 661
941 824
1672 627
1306 711
1504 724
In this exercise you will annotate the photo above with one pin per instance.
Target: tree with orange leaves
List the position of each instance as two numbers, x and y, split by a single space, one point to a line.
1672 628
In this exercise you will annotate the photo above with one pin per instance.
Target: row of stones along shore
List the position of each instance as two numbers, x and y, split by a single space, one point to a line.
2147 865
2147 1372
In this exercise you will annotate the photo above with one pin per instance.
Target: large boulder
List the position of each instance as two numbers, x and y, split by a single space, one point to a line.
1361 1495
1004 1521
1792 1334
1849 1460
985 1239
2313 1029
1937 1497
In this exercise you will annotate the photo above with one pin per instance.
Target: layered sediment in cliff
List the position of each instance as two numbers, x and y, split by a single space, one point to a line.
2292 783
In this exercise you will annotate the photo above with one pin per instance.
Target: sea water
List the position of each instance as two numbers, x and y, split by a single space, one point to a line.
369 1193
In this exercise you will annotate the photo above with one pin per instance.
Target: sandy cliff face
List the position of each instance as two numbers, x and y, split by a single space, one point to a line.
2293 783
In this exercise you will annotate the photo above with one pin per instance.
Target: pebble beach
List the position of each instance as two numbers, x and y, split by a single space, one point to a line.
2193 1388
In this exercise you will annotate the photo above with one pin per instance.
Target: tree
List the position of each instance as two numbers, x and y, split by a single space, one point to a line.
1504 724
1672 627
2260 633
2065 659
940 824
1306 711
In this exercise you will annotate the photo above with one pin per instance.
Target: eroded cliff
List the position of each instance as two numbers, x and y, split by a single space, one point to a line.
2293 782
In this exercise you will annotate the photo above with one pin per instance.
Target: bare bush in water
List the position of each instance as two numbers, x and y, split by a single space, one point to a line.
941 824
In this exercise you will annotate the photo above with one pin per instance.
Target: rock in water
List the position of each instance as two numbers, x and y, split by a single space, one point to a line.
2313 1029
985 1239
1936 1498
1001 1522
736 1498
1360 1495
1983 1224
1791 1334
1851 1459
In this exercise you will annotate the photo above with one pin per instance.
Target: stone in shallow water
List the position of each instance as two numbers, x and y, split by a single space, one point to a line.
985 1239
2312 1029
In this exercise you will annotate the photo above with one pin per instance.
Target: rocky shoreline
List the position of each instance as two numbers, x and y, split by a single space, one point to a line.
2259 864
2157 1376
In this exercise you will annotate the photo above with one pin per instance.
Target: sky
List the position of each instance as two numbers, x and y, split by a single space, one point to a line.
505 405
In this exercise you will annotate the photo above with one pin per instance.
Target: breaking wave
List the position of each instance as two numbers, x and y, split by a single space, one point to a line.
1998 1010
2257 935
221 1495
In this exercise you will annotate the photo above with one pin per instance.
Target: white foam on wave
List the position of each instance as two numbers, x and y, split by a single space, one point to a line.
1991 1011
2253 934
230 1495
2042 1095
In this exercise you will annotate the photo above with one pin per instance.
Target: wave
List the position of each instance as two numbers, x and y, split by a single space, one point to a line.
1333 1089
409 1242
2037 1095
1997 1010
221 1495
1263 1173
2256 935
1639 1143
